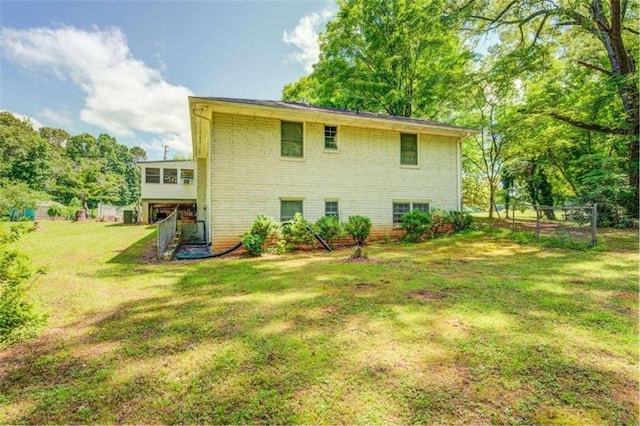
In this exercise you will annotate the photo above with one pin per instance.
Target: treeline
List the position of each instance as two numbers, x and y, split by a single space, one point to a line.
551 86
50 164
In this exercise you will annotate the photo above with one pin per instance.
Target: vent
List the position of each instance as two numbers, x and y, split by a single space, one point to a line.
186 181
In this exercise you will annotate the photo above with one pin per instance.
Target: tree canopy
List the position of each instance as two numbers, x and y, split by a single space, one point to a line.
52 164
555 97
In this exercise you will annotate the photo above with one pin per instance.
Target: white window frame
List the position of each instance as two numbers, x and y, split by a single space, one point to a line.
417 164
335 139
332 200
411 207
285 199
292 157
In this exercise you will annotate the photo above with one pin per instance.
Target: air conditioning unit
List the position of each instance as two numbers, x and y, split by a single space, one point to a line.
186 181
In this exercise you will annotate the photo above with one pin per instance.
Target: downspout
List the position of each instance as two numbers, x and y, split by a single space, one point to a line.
207 211
459 169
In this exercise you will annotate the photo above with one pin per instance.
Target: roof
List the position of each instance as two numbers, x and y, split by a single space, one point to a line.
297 106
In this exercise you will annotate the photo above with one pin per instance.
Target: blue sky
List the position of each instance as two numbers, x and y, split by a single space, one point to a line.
126 68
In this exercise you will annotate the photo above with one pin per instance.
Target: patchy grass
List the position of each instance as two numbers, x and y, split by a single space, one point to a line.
469 329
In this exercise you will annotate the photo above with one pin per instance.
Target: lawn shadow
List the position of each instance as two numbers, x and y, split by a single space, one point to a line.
311 338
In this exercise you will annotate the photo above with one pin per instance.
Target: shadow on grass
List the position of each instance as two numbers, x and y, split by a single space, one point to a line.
317 339
142 251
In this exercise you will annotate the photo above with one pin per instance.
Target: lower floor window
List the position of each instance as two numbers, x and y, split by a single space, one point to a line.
400 209
289 208
331 209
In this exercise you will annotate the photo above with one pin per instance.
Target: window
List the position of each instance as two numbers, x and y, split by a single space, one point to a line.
331 209
423 207
408 149
152 175
398 210
288 209
291 144
330 137
186 176
170 175
401 208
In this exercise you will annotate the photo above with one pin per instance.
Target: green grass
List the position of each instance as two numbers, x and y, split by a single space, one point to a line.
474 328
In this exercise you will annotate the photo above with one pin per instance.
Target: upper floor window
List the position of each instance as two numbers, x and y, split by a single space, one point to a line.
170 175
330 137
408 149
186 175
152 175
291 143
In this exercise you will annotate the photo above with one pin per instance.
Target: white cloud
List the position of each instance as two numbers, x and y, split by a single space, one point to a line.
305 36
59 117
122 93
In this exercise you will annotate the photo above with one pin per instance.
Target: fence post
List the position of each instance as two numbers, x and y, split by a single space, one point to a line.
537 223
594 224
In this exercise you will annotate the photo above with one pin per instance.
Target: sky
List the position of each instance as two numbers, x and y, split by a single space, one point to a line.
126 68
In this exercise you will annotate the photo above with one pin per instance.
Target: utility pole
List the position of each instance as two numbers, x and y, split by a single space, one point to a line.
166 149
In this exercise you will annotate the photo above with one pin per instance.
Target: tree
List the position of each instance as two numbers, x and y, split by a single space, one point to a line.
18 196
24 155
138 153
595 39
17 316
395 57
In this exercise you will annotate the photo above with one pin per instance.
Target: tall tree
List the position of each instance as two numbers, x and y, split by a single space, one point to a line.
395 57
597 41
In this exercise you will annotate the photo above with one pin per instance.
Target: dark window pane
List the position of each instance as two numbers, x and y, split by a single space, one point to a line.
291 139
398 210
408 149
288 209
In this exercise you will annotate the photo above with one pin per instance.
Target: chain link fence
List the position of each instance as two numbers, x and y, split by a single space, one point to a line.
573 223
167 229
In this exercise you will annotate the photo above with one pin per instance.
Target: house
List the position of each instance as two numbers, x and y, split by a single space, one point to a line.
165 186
277 158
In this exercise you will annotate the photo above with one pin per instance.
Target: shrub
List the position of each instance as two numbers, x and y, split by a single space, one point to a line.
54 211
330 228
415 223
358 228
263 227
441 222
296 232
18 318
253 244
460 220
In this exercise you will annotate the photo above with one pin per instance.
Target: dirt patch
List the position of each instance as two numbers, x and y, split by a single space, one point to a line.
626 296
577 282
425 295
330 309
363 286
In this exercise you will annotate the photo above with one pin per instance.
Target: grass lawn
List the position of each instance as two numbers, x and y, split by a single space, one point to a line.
468 329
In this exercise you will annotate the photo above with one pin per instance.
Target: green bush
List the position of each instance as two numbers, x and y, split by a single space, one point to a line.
461 220
330 228
18 318
415 223
358 228
54 211
441 222
253 244
263 227
296 232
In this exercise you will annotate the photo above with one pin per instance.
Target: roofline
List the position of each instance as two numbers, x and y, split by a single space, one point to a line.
392 122
162 161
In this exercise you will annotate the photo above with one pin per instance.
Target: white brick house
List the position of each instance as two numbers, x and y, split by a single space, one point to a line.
275 158
165 185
